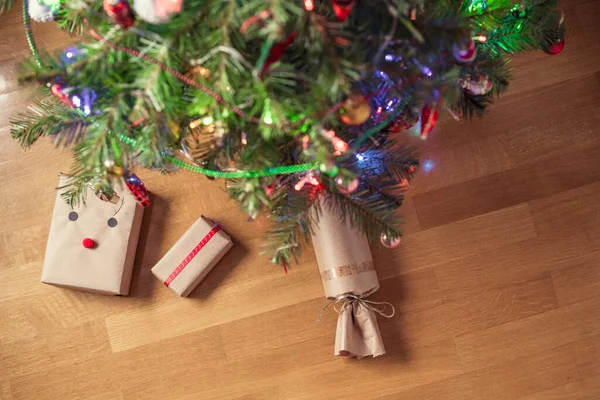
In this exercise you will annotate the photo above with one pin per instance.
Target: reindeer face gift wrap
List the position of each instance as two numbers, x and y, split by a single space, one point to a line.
92 247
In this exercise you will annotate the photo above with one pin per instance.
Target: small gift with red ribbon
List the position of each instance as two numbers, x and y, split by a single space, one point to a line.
192 257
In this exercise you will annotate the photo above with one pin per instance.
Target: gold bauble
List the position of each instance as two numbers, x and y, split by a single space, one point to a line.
116 171
356 110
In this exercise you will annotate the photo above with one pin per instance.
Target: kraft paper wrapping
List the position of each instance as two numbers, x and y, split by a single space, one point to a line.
106 268
348 276
200 264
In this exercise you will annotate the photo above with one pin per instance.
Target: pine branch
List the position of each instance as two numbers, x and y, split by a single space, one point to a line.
371 213
75 18
291 225
48 117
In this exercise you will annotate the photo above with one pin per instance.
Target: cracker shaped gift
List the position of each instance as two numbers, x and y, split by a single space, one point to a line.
92 247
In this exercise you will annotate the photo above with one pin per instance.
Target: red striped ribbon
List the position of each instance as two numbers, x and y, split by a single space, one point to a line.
192 254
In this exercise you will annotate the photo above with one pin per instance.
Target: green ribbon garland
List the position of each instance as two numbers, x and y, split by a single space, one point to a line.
288 169
29 34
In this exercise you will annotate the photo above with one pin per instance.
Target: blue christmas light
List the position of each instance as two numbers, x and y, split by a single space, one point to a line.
428 165
71 55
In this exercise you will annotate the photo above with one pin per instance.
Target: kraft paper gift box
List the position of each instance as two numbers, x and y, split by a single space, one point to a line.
192 257
349 277
110 229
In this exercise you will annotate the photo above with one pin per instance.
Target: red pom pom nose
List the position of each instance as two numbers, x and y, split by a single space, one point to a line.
88 243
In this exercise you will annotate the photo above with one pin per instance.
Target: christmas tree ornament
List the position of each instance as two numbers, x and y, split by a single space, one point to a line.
555 47
57 90
137 189
43 10
429 117
347 187
200 140
349 278
389 241
192 257
120 12
342 8
156 11
405 121
356 110
92 247
479 86
464 52
113 169
276 51
558 44
269 189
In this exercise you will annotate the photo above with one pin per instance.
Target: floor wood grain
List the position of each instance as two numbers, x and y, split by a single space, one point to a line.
496 286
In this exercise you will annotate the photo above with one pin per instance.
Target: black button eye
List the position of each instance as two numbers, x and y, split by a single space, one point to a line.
112 222
73 216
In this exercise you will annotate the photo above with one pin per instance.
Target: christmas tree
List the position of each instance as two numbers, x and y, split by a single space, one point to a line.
293 102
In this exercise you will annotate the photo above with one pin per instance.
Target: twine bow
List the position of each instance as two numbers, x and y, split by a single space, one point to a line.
349 299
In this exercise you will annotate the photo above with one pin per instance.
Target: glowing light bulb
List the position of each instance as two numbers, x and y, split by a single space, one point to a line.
428 165
339 144
309 5
76 100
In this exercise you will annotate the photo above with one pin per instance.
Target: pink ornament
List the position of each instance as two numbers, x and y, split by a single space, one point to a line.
164 8
351 187
390 242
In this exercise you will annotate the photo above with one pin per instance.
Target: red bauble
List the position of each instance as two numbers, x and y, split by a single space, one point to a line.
120 12
556 47
342 8
429 117
88 243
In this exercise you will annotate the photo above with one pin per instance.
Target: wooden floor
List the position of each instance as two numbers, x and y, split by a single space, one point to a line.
497 284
